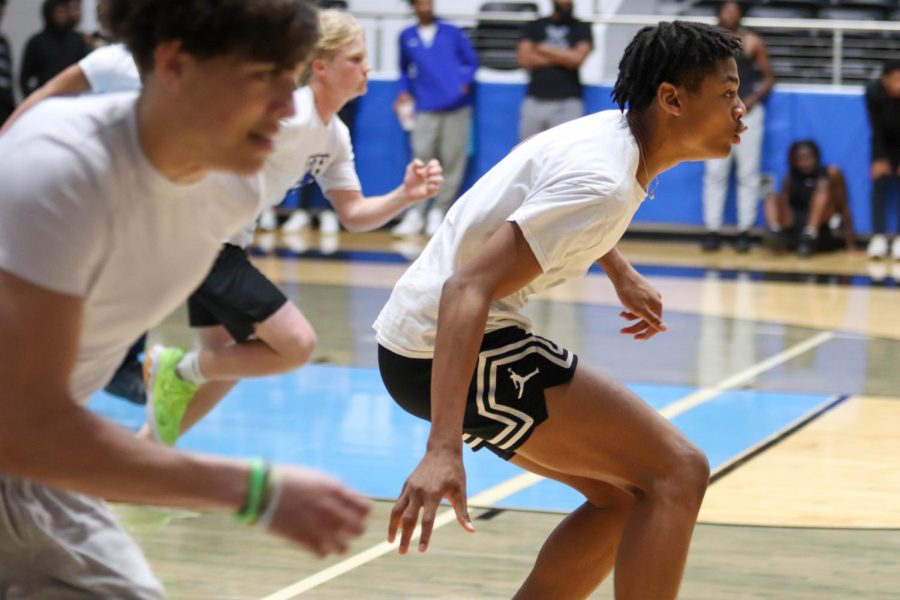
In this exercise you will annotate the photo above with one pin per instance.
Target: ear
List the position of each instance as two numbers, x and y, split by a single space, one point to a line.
318 66
668 97
171 64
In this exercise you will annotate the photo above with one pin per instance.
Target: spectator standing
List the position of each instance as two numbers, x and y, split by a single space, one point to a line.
7 100
757 80
553 49
53 49
437 76
883 105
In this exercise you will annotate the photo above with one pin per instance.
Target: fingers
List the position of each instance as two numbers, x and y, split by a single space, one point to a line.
408 523
396 514
427 526
461 508
648 325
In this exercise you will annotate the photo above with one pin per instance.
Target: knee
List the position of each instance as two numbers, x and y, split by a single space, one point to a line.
299 349
685 478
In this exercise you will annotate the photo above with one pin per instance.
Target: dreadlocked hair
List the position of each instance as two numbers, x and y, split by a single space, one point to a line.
681 53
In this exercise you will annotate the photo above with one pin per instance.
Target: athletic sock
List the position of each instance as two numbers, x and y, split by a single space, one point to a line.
811 232
188 368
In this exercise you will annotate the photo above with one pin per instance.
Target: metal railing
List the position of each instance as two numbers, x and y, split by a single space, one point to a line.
838 28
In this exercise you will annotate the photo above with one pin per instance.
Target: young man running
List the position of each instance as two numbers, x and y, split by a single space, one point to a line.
92 187
452 334
237 302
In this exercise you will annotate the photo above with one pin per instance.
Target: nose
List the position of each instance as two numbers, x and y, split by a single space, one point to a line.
283 104
740 110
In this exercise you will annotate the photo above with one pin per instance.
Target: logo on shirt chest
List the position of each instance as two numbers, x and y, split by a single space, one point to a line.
558 35
314 166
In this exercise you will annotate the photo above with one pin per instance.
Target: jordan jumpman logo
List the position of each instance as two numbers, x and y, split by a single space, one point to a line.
519 381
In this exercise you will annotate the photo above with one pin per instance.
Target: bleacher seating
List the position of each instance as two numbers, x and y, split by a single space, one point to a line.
806 55
496 41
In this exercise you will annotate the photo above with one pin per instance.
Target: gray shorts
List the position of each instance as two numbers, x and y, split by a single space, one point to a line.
58 545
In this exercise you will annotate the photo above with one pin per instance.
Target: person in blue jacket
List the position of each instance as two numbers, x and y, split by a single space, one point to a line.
437 76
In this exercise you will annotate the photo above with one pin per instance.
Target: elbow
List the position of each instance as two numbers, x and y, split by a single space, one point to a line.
462 286
354 225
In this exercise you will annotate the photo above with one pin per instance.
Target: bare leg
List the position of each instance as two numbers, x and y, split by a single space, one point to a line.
581 551
286 341
599 430
778 213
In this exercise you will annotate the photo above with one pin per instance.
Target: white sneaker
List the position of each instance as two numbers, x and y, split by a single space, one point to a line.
295 243
895 248
328 222
265 241
411 224
329 243
268 220
878 246
433 220
298 221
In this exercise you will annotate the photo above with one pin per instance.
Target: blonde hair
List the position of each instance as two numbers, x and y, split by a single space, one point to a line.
337 28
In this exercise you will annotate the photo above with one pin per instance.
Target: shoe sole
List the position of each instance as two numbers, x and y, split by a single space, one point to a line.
151 368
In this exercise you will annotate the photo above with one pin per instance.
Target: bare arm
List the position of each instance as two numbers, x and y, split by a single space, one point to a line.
504 265
528 57
570 58
841 199
761 56
48 438
421 181
641 300
39 332
69 81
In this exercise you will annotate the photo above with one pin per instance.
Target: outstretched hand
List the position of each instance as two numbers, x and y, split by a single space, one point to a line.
317 511
643 303
437 476
423 181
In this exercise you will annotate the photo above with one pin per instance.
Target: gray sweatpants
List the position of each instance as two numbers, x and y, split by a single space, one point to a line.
444 136
539 115
746 156
58 545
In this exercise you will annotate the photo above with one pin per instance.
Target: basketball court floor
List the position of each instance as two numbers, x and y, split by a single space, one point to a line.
785 371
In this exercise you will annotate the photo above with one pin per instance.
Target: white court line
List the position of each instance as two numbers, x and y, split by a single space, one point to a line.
525 480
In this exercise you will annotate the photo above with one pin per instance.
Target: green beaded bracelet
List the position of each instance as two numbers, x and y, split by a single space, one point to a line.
259 482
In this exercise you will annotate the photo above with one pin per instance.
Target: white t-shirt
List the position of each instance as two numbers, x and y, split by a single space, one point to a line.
571 190
84 213
110 69
427 33
307 150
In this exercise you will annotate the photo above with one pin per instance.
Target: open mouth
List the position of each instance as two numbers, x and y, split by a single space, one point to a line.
736 138
264 139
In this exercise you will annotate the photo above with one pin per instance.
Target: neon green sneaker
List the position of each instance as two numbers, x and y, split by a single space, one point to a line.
168 395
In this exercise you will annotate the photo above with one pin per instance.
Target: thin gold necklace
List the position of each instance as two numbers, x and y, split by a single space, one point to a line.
651 184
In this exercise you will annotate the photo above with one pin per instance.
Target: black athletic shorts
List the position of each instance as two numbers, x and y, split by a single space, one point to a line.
506 395
235 295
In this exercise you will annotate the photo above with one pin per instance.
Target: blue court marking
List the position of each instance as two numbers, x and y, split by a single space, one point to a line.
341 420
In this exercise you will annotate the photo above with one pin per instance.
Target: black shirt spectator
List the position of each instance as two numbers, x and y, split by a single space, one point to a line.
53 49
883 106
884 116
555 81
7 100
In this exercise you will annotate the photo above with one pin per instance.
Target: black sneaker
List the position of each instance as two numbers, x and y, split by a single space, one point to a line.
807 245
774 240
712 241
742 242
128 383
